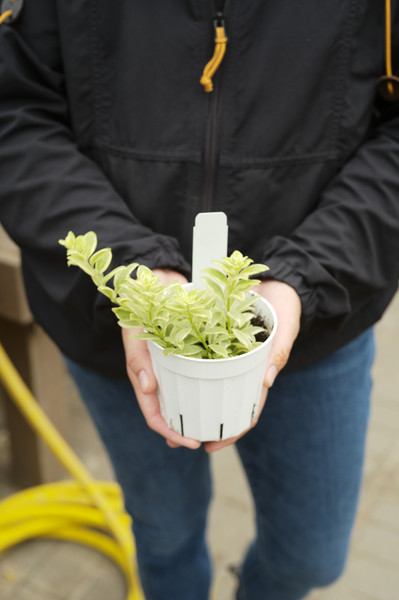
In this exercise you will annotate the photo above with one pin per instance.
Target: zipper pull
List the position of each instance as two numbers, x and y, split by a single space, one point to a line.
220 49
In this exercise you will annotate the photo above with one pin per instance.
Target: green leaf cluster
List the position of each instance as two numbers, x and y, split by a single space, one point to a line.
212 323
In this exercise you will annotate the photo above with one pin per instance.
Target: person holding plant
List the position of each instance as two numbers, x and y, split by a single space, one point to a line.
103 121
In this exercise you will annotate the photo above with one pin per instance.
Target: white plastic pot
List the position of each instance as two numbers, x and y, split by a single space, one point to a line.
211 400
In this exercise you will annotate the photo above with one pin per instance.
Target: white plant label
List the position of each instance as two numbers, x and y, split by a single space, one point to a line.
210 236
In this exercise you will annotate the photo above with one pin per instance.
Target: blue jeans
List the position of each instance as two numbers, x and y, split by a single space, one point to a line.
303 460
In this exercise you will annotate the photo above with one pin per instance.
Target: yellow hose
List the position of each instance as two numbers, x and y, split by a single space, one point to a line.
84 510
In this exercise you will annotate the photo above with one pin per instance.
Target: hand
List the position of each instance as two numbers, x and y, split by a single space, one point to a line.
141 375
287 305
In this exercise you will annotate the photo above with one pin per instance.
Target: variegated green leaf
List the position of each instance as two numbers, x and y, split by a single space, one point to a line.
108 292
101 260
219 350
191 350
216 289
243 338
254 269
216 274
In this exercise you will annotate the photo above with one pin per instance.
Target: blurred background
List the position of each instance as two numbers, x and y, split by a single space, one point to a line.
54 570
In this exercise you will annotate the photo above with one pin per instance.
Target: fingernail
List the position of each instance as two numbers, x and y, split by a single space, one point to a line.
271 376
143 380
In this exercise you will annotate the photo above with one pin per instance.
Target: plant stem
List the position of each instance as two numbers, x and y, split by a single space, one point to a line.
198 334
228 320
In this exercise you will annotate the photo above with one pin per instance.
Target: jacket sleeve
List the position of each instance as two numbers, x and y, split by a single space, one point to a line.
47 186
348 248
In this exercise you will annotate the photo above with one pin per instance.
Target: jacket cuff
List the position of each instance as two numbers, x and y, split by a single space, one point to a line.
321 295
165 255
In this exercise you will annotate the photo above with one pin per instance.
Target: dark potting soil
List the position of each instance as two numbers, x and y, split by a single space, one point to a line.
262 336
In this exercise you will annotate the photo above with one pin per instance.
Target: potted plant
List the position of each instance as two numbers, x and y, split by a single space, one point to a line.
208 346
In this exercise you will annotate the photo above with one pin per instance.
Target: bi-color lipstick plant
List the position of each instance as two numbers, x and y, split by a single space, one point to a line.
214 323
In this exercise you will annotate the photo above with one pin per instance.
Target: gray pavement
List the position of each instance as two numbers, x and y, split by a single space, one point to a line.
46 570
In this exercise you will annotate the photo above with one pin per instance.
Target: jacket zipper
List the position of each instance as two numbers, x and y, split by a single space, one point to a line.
210 154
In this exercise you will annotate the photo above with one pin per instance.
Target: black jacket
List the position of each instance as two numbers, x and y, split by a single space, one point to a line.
104 126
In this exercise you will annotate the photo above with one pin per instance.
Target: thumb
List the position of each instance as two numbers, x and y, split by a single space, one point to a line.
138 363
288 308
279 352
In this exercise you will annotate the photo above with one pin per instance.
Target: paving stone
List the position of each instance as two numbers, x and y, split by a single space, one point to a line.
230 533
371 579
102 581
231 527
380 442
376 478
225 586
386 418
8 585
93 456
31 593
341 591
372 465
386 511
23 560
63 570
379 543
230 482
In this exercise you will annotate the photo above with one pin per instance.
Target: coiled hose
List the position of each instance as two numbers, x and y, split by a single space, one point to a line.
85 511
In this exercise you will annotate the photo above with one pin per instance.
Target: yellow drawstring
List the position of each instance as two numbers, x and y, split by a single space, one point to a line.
388 52
213 65
5 15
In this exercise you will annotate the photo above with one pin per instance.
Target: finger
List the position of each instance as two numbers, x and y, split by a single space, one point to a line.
141 375
276 363
169 276
149 406
171 444
211 447
279 352
138 362
288 307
